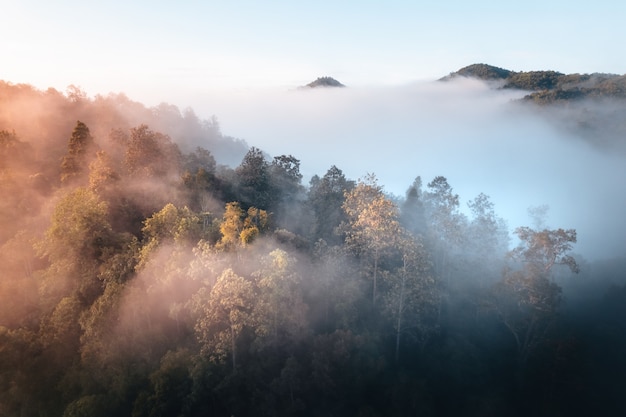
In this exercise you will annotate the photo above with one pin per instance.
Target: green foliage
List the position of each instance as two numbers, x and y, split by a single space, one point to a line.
224 314
253 179
541 250
14 153
143 303
151 154
552 96
481 71
446 224
527 300
172 223
239 228
79 228
280 308
373 226
326 198
412 298
102 175
169 387
79 149
534 80
612 87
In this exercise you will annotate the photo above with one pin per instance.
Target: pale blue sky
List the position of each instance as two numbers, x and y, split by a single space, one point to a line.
159 51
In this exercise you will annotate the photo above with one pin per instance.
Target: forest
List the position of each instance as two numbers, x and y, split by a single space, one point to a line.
152 266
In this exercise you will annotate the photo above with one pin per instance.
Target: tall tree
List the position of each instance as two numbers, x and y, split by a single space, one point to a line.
102 176
253 179
78 240
445 223
223 315
487 240
280 308
286 177
526 300
412 295
326 198
151 154
413 214
79 149
239 228
171 224
372 226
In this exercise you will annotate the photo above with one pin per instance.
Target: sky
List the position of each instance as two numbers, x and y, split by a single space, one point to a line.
241 61
166 51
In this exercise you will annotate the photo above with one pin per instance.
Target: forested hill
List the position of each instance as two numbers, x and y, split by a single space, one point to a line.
140 276
38 117
549 86
589 106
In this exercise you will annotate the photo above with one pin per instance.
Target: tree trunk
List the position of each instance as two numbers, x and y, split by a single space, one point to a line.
375 276
399 323
233 347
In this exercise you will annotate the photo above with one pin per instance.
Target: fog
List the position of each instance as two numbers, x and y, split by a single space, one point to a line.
143 276
481 138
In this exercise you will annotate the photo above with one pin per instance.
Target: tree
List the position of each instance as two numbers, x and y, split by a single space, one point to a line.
241 228
79 148
201 180
253 179
78 240
372 226
224 315
487 240
542 250
169 387
102 176
13 152
286 191
445 223
412 295
286 176
151 154
526 300
326 198
200 158
413 215
232 225
280 308
171 224
335 287
285 179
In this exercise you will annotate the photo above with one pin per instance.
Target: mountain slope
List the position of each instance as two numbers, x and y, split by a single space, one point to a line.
548 86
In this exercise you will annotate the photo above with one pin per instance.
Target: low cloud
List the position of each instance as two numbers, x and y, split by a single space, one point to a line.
482 139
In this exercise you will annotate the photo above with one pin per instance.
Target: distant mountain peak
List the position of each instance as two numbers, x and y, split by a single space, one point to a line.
324 82
481 71
548 87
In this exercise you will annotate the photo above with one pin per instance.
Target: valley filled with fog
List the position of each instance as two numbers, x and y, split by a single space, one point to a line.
483 139
434 249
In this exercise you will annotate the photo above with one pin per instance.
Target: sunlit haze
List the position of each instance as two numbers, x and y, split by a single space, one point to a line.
298 208
159 51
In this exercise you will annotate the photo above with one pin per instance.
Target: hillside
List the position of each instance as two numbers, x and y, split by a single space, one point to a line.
141 275
590 106
548 86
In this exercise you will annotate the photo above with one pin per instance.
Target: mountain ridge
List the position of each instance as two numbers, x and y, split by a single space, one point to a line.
548 86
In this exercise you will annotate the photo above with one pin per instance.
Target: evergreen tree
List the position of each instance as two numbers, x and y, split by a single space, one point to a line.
79 149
